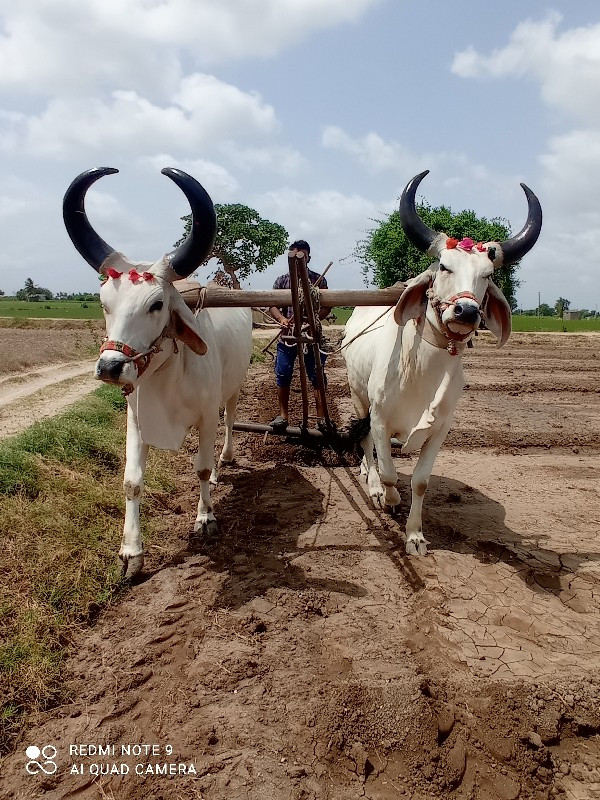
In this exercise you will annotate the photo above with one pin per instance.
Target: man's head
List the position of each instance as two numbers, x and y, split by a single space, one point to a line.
300 244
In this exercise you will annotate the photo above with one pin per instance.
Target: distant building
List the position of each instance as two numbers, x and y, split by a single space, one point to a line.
571 314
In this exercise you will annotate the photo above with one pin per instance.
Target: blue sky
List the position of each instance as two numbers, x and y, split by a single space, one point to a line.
314 112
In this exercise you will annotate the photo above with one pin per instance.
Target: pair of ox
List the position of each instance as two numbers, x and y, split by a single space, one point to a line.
405 372
175 368
405 369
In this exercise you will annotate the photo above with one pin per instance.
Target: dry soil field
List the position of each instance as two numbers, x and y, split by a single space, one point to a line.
303 656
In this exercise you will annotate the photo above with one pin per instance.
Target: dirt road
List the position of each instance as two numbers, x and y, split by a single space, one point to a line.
301 655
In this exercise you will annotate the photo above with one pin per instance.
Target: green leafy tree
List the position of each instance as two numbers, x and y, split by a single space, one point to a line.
245 242
546 310
387 255
32 292
561 305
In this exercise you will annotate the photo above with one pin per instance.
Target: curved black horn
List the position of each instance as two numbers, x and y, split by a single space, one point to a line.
515 248
84 237
414 227
192 252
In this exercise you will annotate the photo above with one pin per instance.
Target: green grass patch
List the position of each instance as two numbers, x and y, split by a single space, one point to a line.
58 309
523 324
520 323
342 315
61 517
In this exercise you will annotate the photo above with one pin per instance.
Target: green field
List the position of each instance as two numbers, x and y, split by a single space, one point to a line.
75 309
52 309
522 323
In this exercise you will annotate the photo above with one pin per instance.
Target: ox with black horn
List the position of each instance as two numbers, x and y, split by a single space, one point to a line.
405 372
175 367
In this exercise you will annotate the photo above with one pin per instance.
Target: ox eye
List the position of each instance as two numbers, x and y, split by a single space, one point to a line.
444 269
156 306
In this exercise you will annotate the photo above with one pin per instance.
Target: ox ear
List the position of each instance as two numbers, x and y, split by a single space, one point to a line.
497 314
413 300
184 326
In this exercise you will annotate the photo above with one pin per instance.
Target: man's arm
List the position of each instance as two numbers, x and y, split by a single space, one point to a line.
276 312
277 315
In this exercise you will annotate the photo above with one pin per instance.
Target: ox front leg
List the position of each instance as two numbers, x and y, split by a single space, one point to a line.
382 482
136 454
204 465
416 543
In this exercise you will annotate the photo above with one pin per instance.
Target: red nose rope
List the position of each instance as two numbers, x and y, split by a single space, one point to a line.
140 360
440 306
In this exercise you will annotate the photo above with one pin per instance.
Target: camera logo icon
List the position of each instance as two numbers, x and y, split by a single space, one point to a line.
41 760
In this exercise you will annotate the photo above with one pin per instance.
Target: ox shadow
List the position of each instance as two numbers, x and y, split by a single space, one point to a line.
460 518
261 514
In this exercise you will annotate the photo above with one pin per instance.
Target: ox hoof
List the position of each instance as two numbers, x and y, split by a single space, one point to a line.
378 499
132 565
207 527
416 547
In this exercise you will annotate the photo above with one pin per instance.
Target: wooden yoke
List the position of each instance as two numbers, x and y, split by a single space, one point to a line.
215 296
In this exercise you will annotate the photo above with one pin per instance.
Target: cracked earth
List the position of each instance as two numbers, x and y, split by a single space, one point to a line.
301 655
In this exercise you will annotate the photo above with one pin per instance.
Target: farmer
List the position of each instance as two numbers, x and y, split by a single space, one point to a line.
287 352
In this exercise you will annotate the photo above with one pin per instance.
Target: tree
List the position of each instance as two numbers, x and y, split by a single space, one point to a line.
32 292
390 257
561 306
244 242
546 310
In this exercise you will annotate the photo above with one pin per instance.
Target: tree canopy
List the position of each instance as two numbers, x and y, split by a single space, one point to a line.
32 292
561 305
388 256
245 242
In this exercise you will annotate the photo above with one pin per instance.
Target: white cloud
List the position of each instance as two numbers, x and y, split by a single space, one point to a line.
203 112
571 172
565 64
373 152
449 170
139 43
218 182
332 223
276 159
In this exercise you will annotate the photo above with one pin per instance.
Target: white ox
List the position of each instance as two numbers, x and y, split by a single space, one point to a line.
175 368
405 369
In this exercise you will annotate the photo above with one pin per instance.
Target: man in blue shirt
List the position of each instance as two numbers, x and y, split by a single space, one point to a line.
287 353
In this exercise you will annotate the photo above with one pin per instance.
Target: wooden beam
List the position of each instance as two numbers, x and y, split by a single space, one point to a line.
213 296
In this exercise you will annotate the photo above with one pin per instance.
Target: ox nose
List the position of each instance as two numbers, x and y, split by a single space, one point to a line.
109 369
466 312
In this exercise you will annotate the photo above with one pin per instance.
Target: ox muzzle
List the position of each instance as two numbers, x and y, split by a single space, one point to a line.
126 368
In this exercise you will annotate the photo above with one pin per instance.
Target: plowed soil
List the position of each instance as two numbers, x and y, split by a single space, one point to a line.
300 655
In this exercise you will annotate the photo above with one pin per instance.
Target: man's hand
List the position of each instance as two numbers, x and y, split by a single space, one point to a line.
284 322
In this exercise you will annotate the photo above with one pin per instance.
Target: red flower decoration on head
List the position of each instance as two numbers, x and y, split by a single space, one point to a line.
113 273
480 247
466 243
451 244
147 276
134 275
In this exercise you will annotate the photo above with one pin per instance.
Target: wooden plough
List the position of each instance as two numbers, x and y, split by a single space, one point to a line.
298 297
